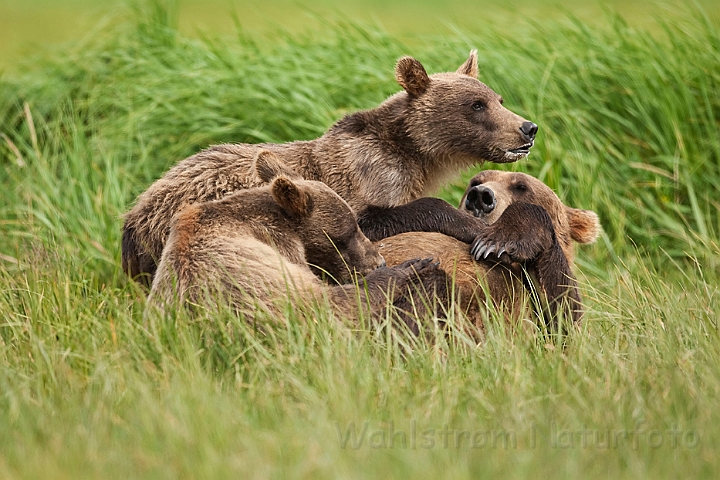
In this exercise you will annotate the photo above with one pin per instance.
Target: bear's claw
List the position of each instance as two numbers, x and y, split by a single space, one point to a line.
482 250
478 249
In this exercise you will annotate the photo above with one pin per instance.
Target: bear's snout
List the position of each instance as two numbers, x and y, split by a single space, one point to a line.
480 199
529 130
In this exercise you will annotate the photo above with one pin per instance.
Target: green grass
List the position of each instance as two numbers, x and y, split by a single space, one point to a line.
628 127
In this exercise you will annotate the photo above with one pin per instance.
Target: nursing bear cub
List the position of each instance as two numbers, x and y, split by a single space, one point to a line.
539 231
257 247
375 160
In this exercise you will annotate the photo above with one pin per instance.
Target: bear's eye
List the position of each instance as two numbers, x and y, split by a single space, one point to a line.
474 183
478 106
520 187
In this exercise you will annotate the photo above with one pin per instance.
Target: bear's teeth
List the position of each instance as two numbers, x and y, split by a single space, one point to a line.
515 155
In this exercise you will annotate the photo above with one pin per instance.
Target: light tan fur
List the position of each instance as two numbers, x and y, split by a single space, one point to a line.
258 248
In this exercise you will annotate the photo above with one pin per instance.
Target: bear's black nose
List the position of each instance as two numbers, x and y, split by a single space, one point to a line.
529 129
480 199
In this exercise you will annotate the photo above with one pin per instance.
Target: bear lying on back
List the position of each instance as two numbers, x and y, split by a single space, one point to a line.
540 230
384 157
257 245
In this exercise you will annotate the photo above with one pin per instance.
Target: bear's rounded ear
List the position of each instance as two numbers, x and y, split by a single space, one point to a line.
293 199
584 225
411 75
267 166
470 67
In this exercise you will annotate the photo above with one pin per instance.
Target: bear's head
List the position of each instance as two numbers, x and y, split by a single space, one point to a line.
454 115
491 191
323 222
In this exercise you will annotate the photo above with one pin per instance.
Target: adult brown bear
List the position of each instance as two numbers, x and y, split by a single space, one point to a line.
255 248
539 231
375 160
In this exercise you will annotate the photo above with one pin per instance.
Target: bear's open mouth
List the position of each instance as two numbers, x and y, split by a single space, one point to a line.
524 150
520 152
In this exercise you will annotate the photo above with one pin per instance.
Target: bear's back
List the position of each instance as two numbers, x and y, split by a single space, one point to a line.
473 280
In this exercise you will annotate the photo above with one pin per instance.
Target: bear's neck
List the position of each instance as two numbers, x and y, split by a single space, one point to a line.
378 145
386 129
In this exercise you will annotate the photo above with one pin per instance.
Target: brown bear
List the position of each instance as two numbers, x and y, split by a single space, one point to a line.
540 231
375 159
256 247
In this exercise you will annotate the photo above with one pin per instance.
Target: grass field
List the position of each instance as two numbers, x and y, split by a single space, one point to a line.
629 127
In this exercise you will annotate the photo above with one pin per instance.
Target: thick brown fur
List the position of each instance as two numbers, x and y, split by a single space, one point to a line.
539 227
387 156
260 245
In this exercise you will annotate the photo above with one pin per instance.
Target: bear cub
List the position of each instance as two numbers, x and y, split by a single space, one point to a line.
259 245
540 231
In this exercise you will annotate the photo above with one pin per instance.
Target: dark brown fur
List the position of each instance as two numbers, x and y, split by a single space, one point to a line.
538 226
258 246
387 156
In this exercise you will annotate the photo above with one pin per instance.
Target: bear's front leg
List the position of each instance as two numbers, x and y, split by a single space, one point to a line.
521 234
556 279
421 215
385 285
379 283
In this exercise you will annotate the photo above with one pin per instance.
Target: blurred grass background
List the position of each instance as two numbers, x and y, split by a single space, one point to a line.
627 101
26 25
